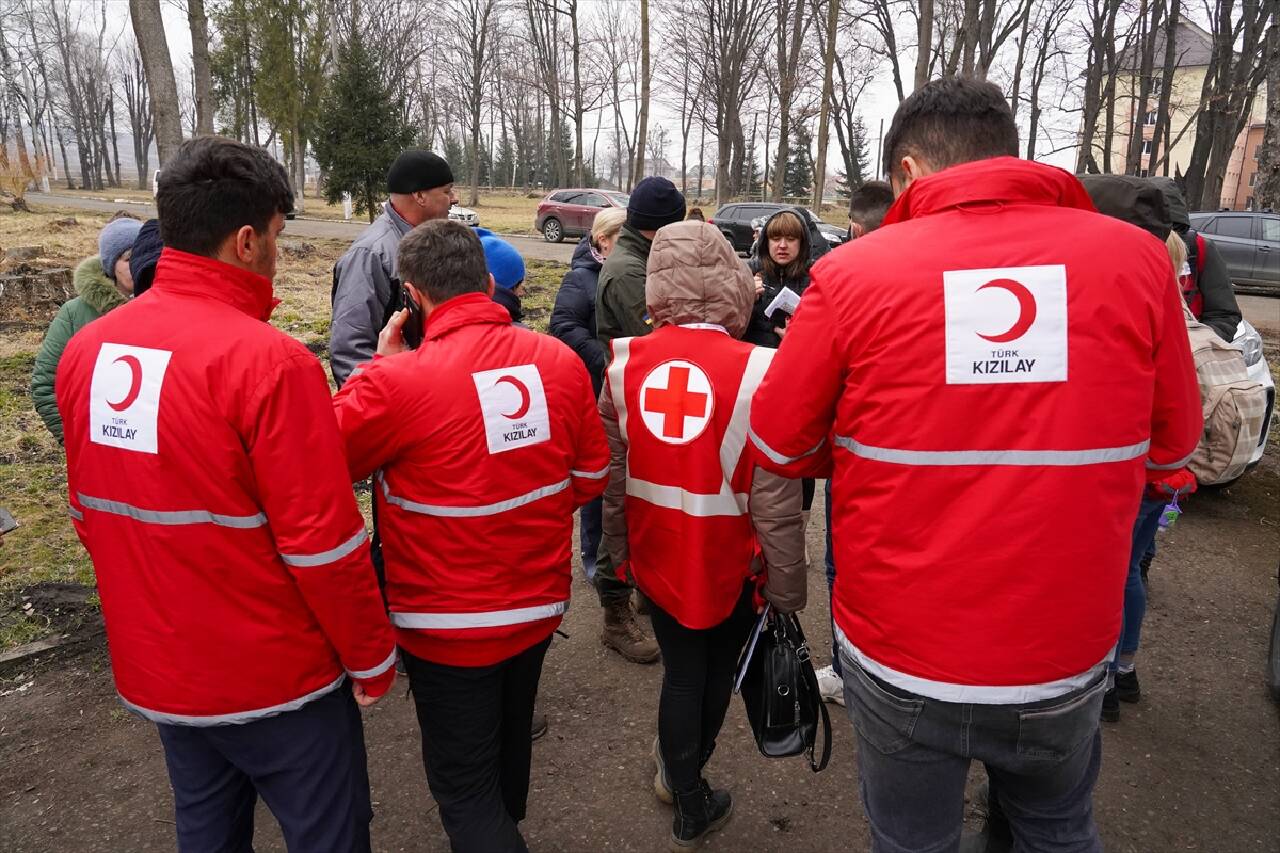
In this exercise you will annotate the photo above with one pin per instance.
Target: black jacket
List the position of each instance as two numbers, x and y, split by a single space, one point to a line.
573 319
760 329
1219 309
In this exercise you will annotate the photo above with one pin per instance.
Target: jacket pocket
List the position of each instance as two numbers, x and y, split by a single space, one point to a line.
1054 732
884 720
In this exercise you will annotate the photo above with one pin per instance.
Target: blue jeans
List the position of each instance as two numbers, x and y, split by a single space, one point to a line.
1135 591
831 583
591 530
914 755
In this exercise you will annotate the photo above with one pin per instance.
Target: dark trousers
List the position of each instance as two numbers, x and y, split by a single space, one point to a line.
914 754
308 765
476 746
831 585
697 681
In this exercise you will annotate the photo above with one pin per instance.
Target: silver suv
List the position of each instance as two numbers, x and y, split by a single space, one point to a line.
1249 243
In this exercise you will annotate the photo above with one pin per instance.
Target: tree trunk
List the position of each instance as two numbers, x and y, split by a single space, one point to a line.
148 28
1267 191
924 41
1163 130
642 126
203 88
824 114
578 113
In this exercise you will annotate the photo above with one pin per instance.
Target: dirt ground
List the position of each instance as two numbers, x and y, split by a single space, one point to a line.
1195 766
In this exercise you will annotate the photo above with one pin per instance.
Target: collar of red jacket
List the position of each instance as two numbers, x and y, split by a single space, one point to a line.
996 181
465 310
196 275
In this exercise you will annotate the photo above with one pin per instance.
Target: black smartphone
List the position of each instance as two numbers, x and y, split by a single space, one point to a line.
8 523
412 329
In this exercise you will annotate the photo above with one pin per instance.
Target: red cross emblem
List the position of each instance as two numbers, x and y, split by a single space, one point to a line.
676 401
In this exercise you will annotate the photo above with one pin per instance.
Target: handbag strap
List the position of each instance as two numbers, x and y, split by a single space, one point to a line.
811 679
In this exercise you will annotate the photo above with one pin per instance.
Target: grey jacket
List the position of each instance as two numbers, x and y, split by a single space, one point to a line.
362 293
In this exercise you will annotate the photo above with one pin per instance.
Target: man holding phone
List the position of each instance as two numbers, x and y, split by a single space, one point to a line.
485 439
206 480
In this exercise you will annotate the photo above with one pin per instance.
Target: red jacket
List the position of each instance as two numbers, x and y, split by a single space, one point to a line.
681 397
485 440
996 368
206 480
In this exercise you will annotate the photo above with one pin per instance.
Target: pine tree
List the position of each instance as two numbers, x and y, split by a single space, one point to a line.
360 130
798 180
858 171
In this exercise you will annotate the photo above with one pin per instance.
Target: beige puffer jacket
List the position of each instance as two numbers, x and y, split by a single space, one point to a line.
693 276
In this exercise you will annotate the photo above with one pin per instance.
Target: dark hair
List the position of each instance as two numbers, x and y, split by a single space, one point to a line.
215 186
696 214
444 259
950 121
785 223
869 203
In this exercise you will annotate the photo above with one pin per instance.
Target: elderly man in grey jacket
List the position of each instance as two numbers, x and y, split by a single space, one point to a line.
421 188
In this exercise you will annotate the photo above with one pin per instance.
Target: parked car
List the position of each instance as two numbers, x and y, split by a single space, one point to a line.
1250 244
1250 343
465 215
735 222
569 213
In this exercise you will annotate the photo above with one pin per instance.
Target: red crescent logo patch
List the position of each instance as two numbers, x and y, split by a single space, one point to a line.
524 396
135 386
1026 310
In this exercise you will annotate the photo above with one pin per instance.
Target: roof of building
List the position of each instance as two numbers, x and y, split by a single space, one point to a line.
1193 47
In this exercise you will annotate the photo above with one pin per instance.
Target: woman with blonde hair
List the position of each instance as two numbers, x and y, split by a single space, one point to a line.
573 320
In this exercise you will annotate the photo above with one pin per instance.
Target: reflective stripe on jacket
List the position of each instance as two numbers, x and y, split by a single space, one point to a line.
207 482
991 395
485 440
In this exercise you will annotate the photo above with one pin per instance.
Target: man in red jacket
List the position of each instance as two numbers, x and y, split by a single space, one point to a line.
484 440
990 410
206 479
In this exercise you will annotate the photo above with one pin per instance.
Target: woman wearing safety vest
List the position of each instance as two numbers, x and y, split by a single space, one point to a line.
687 513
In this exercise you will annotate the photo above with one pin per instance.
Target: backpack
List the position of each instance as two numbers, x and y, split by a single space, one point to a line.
1233 405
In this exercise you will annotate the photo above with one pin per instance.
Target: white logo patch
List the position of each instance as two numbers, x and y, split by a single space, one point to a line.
514 407
676 401
1006 325
124 396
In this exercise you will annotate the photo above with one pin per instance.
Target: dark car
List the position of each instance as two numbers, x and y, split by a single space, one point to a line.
734 221
1250 244
569 213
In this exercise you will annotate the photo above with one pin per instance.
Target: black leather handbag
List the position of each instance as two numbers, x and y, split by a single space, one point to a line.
780 691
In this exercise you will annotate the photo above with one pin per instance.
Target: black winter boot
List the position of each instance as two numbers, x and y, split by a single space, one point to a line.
699 813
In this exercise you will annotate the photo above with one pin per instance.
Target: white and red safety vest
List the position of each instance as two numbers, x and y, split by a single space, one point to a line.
206 480
997 368
682 398
485 439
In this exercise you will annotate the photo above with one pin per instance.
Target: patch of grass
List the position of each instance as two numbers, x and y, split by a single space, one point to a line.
541 283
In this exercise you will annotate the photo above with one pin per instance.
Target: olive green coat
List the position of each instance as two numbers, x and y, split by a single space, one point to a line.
97 296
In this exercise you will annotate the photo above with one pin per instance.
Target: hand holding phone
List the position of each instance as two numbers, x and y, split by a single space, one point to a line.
411 331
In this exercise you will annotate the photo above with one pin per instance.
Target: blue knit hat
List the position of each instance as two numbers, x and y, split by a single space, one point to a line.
504 262
114 240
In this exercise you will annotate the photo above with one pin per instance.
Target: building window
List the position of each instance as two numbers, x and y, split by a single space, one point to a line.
1253 179
1157 84
1144 173
1150 119
1146 147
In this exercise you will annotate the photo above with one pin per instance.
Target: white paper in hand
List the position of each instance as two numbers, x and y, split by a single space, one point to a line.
787 300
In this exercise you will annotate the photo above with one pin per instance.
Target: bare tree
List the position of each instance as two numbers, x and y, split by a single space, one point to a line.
1267 192
148 29
1101 21
202 89
1161 132
824 117
642 124
790 25
924 38
137 100
473 23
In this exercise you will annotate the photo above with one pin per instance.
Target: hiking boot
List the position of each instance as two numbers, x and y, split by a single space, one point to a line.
1110 706
661 784
623 634
1127 689
539 727
698 814
642 605
830 685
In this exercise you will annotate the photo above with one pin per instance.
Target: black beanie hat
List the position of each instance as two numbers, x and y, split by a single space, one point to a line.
417 169
145 255
655 202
